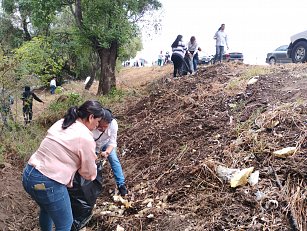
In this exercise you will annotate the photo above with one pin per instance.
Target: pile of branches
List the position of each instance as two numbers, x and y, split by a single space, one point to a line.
175 139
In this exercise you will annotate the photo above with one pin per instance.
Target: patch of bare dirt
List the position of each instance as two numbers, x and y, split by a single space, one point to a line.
171 142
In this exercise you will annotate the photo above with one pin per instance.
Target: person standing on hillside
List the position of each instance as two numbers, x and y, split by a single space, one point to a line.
193 52
52 86
160 59
27 103
179 50
106 144
166 58
221 41
67 148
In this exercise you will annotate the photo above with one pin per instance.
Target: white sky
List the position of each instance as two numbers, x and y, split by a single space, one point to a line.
254 27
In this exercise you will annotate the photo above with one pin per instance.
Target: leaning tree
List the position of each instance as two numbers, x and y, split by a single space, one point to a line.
103 24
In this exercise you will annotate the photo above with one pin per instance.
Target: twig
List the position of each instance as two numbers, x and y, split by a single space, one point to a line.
290 214
174 163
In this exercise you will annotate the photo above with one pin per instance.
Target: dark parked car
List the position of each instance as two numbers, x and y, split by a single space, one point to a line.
233 56
279 55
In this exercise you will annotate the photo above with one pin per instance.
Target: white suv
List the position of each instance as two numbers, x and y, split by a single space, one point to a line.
297 49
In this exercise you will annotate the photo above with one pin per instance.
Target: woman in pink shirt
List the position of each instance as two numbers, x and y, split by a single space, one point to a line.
67 148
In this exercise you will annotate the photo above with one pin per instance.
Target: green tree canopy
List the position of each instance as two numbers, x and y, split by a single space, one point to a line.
39 58
103 24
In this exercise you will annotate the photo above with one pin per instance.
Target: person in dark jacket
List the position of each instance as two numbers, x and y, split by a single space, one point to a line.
27 103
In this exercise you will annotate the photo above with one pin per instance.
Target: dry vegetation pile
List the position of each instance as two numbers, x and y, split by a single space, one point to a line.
173 140
176 137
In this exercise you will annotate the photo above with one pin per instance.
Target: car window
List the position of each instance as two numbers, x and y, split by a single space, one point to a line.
282 48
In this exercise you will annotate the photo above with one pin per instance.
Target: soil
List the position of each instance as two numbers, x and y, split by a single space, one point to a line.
172 140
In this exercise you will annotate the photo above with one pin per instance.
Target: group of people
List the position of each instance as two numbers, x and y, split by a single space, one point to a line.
163 59
185 57
85 134
73 144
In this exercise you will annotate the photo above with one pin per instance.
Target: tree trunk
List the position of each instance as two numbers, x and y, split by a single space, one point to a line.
27 36
107 56
95 66
107 79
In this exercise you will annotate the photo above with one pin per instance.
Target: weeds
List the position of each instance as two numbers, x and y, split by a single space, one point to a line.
21 140
239 84
58 108
248 124
115 96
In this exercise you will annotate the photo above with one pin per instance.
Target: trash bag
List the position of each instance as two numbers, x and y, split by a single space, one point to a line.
83 196
186 65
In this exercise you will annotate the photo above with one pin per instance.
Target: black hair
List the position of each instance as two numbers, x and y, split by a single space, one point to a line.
90 107
26 93
108 116
221 26
192 39
175 43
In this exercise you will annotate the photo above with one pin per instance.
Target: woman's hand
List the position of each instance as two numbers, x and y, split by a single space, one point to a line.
104 154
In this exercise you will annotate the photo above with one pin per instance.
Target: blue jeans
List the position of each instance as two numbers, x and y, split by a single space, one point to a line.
191 64
52 198
116 166
52 89
219 53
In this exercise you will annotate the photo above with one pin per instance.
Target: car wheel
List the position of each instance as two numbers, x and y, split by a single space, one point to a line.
299 52
272 61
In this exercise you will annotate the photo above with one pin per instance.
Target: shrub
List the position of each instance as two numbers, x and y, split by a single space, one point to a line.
58 108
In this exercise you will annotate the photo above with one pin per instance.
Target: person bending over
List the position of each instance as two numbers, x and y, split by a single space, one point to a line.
106 143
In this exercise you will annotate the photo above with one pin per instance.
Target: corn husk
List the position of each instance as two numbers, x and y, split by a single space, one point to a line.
241 178
283 153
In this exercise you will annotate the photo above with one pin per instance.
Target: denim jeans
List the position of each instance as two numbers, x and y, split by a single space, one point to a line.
52 89
191 65
116 166
52 198
219 53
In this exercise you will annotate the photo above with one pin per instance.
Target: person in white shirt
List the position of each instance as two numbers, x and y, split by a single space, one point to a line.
160 59
193 52
106 143
52 86
221 41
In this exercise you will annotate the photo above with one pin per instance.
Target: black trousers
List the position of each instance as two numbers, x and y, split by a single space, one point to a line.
178 62
27 113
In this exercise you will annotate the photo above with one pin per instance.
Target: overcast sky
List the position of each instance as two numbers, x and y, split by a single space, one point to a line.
254 27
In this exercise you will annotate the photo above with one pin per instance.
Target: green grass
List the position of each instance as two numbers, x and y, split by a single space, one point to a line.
115 96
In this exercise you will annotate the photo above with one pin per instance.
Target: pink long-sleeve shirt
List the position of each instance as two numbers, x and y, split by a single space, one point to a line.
65 151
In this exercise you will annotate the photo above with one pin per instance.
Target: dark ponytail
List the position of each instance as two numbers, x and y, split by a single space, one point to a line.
176 42
88 108
70 117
